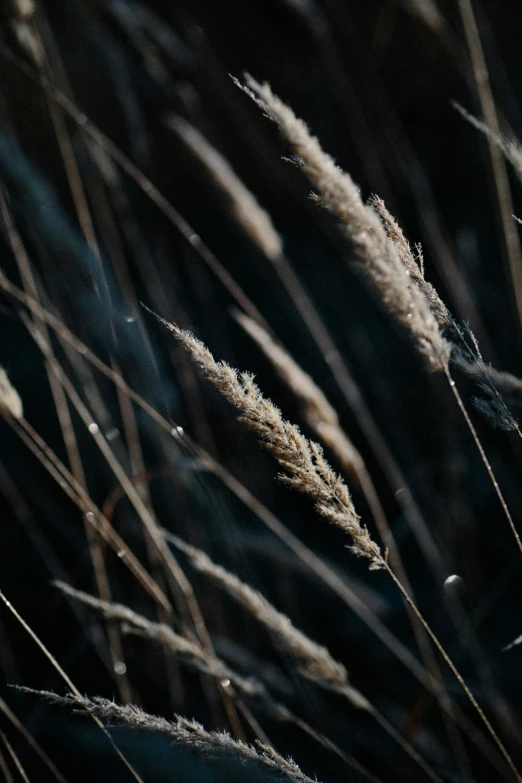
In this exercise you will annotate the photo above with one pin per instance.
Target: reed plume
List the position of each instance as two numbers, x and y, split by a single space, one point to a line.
306 470
360 223
304 465
412 262
314 661
188 650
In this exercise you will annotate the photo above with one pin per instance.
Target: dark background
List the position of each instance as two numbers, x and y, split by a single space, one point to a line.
374 81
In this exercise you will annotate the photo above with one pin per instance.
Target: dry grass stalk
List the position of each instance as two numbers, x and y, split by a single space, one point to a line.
376 254
314 660
10 401
254 220
68 434
5 770
179 645
303 463
513 251
31 741
180 586
93 516
14 757
185 732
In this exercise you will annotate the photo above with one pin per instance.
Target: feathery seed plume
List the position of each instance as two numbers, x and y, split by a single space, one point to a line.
304 465
413 265
179 645
375 252
187 733
314 660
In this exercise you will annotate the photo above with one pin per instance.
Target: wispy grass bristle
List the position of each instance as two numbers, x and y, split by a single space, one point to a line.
132 170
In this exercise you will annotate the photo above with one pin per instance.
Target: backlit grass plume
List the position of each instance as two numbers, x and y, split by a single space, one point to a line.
302 461
360 223
184 732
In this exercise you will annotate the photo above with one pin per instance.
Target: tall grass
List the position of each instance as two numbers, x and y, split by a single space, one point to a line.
156 579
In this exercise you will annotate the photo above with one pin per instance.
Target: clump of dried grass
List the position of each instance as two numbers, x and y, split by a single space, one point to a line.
381 251
397 274
306 469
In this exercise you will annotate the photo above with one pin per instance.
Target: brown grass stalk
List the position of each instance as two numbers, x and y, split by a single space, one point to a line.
502 186
69 438
92 513
31 741
16 760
